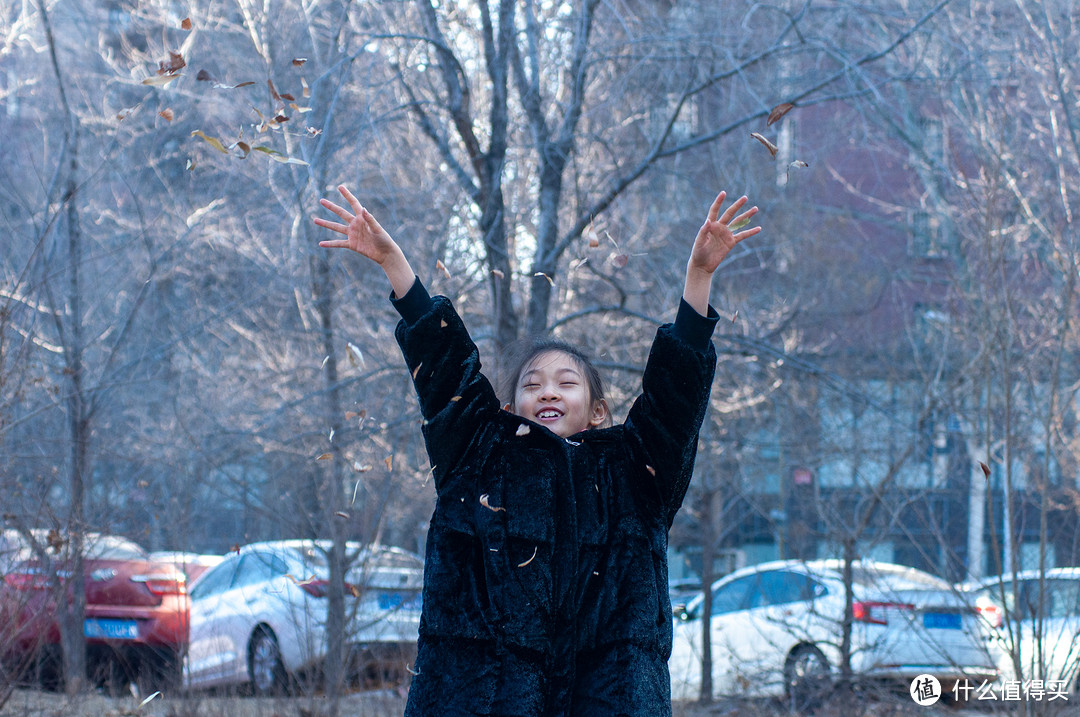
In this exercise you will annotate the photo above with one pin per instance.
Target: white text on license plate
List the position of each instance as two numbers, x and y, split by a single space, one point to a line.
110 629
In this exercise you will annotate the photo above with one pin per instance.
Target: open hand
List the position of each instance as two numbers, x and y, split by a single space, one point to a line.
363 234
716 238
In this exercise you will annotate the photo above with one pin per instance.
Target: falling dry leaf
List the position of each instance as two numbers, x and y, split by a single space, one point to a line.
455 399
166 114
522 430
204 76
149 699
273 90
185 24
331 437
594 241
235 548
299 61
342 514
174 64
493 508
620 260
497 273
244 147
313 132
160 80
126 112
278 156
349 415
739 224
416 370
535 550
442 323
652 471
305 90
734 316
190 164
360 467
442 267
212 141
549 279
54 540
325 457
389 461
773 149
799 164
985 470
778 112
356 357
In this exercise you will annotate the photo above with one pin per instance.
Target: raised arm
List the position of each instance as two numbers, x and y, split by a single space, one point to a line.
366 237
713 242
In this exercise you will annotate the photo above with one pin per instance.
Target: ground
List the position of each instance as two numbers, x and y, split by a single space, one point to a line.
391 703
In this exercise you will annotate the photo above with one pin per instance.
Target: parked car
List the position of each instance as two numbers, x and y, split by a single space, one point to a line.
776 630
258 619
1040 627
136 619
192 564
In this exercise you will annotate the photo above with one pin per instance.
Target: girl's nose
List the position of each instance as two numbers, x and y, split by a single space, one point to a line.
549 393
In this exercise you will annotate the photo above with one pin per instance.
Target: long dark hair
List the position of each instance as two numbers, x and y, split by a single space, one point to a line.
521 354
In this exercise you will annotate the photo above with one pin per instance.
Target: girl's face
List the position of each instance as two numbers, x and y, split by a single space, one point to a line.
553 391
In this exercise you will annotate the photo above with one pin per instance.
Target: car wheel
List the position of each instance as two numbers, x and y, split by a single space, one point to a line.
807 679
265 669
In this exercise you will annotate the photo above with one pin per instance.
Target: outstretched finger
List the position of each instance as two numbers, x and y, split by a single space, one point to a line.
342 212
332 226
357 207
714 210
744 218
335 244
746 233
735 207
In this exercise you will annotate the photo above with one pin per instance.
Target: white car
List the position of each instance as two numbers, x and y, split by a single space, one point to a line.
1038 626
258 618
777 630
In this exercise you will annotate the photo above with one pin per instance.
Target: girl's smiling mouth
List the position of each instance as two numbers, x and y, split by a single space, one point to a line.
548 414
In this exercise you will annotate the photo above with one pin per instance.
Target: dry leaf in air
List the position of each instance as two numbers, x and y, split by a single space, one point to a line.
535 550
493 508
356 357
166 114
985 469
620 260
212 141
522 430
778 112
185 24
174 64
773 149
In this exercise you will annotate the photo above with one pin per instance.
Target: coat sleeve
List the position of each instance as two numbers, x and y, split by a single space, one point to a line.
456 400
664 421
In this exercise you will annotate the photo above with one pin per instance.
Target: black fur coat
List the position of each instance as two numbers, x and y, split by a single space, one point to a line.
545 584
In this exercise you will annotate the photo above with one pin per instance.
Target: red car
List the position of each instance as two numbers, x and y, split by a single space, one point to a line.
137 612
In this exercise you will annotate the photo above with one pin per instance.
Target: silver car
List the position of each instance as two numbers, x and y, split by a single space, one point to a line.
777 628
258 618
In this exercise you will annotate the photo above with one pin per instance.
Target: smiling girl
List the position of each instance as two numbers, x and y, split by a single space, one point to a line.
545 579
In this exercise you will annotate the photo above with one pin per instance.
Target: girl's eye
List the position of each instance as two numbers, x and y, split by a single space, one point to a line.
532 385
568 383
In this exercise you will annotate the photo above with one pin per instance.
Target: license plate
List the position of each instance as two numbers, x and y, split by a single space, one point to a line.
110 629
942 621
